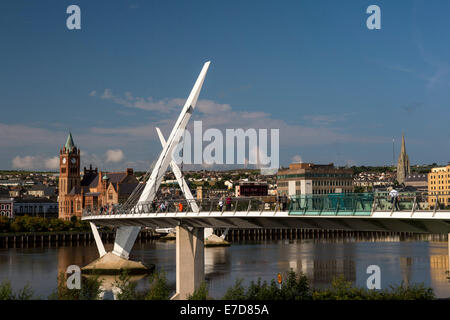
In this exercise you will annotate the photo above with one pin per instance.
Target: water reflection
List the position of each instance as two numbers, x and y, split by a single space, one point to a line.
401 260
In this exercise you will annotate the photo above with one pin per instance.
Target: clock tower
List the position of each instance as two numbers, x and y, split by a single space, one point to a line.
69 175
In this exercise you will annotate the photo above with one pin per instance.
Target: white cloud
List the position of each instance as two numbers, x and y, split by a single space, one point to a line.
210 107
297 158
35 162
27 162
326 119
165 105
52 163
93 93
222 116
107 94
114 155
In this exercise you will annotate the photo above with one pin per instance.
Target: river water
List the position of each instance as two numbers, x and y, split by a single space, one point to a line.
410 260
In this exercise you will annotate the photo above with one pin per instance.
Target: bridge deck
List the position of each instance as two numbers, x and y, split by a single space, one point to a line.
336 211
419 221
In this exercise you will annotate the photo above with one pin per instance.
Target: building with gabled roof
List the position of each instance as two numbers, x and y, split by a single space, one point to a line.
93 189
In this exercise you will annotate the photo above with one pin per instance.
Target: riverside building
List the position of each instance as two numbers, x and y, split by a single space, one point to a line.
310 178
94 190
439 186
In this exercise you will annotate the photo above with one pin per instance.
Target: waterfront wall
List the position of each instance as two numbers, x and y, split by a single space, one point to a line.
234 235
57 238
22 240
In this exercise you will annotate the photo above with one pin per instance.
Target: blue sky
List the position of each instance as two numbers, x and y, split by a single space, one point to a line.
337 91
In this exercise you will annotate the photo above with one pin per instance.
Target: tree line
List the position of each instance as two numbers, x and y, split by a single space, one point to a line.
39 224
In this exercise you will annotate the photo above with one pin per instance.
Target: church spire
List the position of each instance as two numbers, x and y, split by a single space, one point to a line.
69 143
403 166
403 144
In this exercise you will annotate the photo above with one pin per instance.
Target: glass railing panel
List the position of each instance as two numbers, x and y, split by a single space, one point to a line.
383 204
242 205
405 203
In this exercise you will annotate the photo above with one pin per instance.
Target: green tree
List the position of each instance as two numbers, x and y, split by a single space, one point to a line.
343 290
56 225
202 293
236 292
295 287
5 224
159 288
6 292
127 288
263 291
18 224
90 289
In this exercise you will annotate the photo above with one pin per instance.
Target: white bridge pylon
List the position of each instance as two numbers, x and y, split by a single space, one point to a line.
126 235
165 158
180 179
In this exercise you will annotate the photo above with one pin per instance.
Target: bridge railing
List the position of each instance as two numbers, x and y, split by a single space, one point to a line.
241 204
311 204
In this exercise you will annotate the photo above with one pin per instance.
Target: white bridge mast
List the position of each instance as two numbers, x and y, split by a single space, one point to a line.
180 179
165 157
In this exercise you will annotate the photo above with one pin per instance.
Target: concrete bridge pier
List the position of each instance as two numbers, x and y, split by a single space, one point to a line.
125 238
190 261
117 260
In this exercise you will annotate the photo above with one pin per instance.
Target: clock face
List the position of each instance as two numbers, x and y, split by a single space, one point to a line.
73 160
64 160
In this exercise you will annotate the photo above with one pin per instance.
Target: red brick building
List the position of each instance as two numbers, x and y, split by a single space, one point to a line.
94 189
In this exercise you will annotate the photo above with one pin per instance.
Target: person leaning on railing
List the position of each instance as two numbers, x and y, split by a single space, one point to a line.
228 202
283 200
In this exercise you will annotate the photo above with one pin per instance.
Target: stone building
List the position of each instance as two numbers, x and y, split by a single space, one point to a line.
35 207
7 207
418 181
403 168
439 186
310 178
95 189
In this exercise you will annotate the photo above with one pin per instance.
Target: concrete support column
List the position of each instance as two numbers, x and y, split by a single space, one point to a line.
190 261
98 240
124 242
